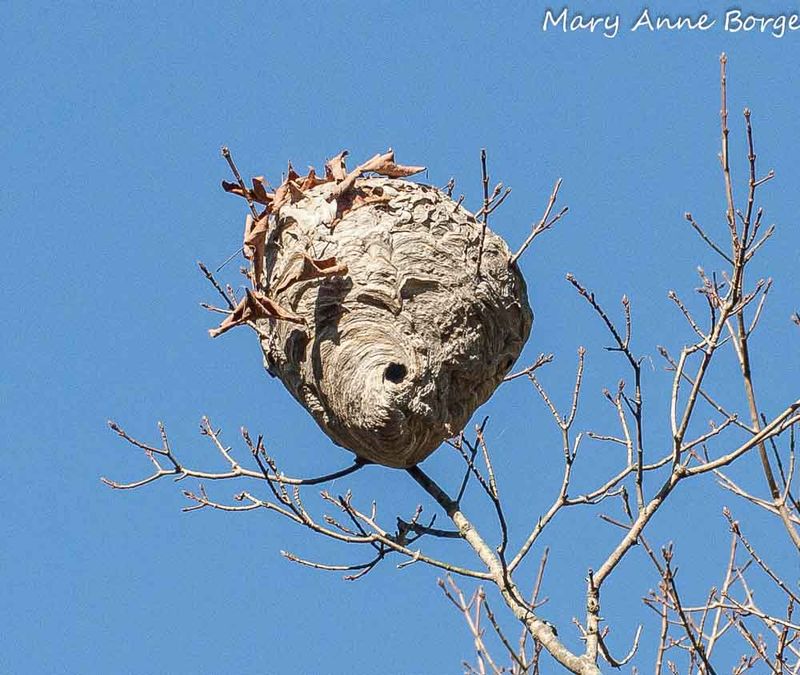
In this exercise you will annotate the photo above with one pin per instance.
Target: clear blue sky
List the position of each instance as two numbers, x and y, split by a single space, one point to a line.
112 119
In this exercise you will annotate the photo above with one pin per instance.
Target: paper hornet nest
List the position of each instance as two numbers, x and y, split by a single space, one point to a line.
372 308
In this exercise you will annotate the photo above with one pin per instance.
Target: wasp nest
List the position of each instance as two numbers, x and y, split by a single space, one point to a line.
372 308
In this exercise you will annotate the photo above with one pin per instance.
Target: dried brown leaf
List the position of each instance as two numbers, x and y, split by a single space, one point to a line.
267 308
233 188
257 194
385 166
282 198
291 174
254 306
255 239
295 193
311 180
302 268
381 164
357 199
259 191
335 167
344 186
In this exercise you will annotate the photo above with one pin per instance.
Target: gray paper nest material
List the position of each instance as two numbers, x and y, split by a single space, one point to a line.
396 354
394 341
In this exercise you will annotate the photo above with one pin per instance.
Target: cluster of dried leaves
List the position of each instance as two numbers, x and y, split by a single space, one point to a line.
342 198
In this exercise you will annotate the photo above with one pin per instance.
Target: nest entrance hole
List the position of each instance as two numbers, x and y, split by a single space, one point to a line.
395 372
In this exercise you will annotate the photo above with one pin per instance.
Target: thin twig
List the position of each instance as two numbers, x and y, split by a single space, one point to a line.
484 217
544 224
226 153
